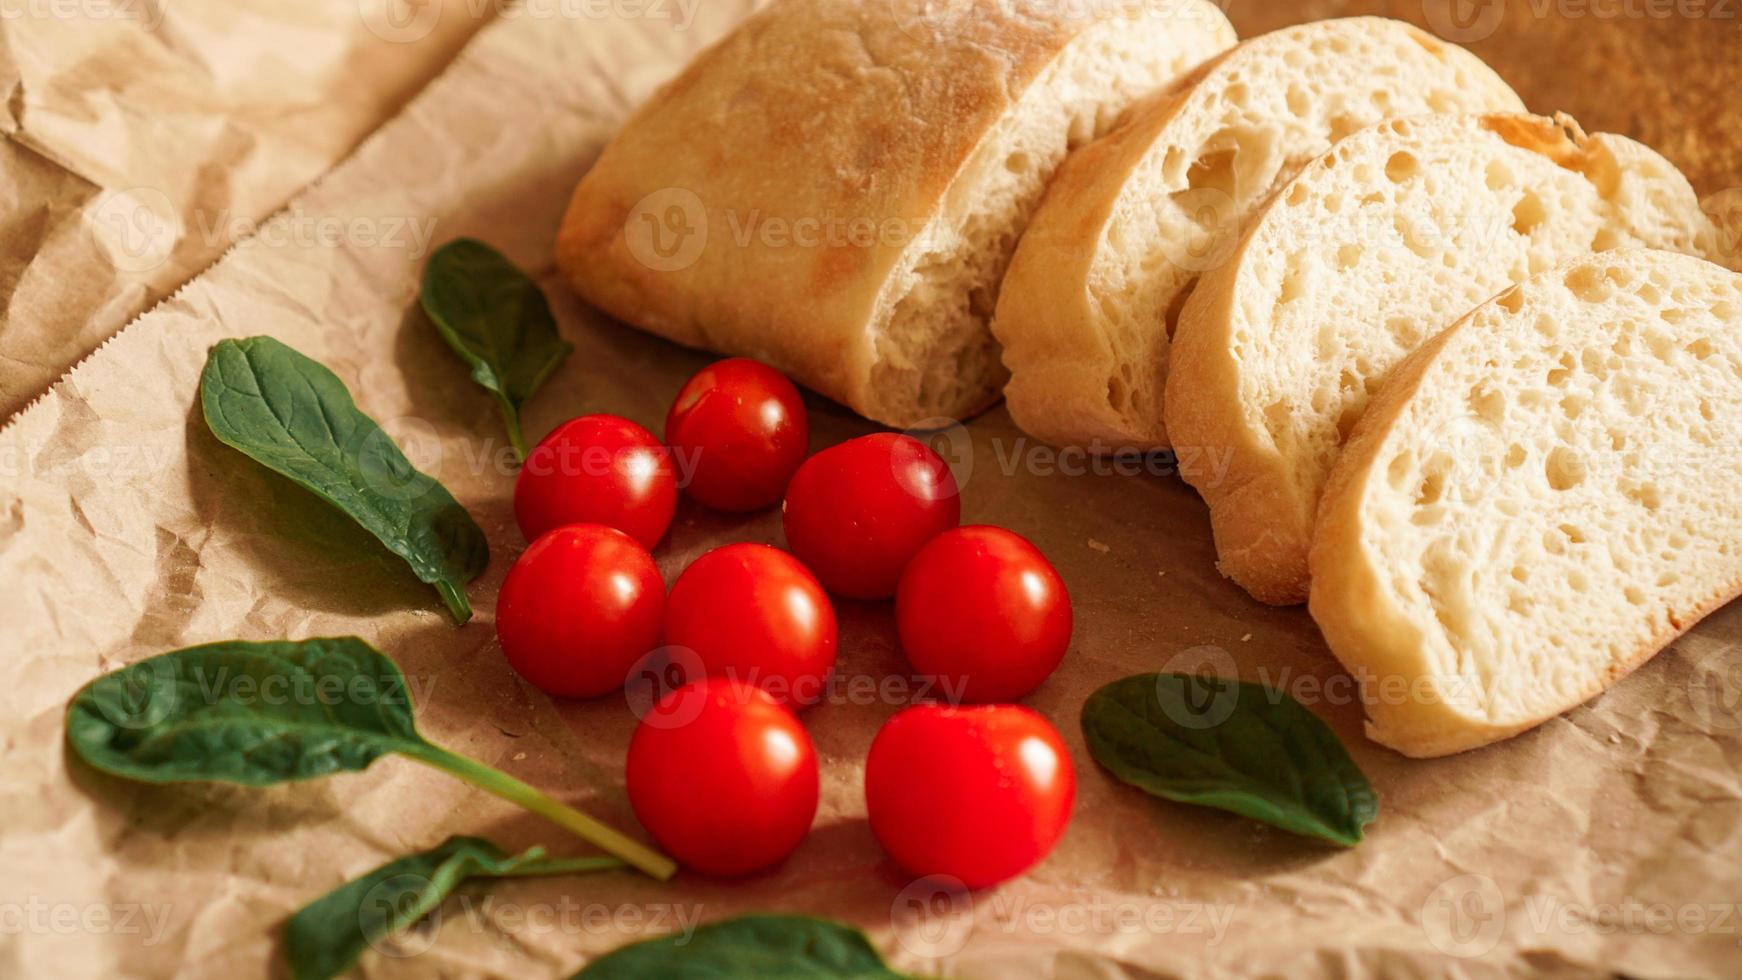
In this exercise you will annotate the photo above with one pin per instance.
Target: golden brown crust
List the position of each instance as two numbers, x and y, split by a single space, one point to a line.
760 203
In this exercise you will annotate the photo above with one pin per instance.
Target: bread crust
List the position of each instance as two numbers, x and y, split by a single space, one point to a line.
854 124
1370 635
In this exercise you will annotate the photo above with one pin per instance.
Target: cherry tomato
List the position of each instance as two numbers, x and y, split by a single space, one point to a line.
578 609
856 512
723 777
741 428
984 613
753 613
597 469
979 794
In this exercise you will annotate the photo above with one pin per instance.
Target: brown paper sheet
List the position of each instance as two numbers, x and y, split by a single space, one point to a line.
144 137
1607 840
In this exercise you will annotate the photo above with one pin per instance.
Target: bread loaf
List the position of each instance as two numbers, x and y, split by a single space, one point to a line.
1131 220
836 187
1540 498
1380 244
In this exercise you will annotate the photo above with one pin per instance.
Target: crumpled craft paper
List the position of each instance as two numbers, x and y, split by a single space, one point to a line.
1607 840
144 137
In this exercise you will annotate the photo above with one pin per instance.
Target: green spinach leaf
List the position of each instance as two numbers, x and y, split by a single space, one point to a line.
325 938
769 947
495 318
249 713
264 713
295 417
1224 743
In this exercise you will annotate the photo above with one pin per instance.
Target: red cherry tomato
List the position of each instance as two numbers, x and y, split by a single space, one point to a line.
856 512
753 613
984 613
597 469
740 428
578 609
979 794
723 777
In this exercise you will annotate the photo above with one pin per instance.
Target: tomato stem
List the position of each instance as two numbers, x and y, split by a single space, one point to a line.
499 783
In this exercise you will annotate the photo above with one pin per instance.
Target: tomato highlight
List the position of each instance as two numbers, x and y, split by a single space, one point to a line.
723 777
580 607
597 469
977 794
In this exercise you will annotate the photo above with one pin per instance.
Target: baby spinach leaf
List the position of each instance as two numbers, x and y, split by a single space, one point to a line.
775 947
295 417
1223 743
495 318
249 713
327 936
264 713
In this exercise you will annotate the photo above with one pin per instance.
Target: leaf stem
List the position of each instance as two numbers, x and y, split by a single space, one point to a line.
570 866
511 419
454 595
499 783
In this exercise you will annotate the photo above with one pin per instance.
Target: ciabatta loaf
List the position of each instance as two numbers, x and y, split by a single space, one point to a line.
1539 499
1382 243
1132 219
836 187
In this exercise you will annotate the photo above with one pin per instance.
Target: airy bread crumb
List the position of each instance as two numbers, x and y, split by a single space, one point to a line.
1538 500
1131 220
1371 250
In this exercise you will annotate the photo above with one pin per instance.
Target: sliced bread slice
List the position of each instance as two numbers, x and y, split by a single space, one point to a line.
836 187
1541 498
1396 232
1132 219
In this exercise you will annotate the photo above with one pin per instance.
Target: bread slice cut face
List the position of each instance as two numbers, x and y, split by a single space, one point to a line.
1132 219
1371 250
1542 497
836 187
